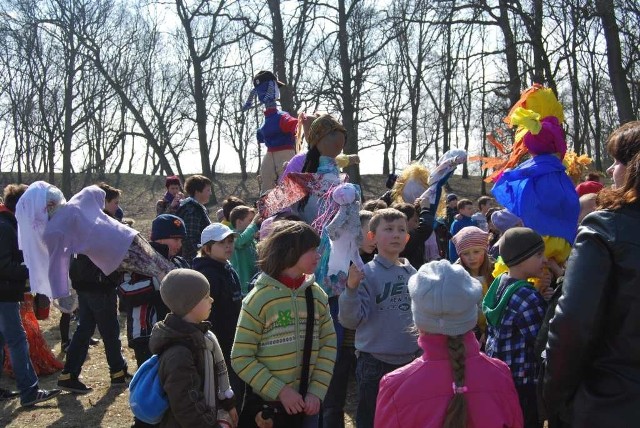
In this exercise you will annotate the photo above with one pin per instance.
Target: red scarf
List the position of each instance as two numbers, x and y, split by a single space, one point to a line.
292 283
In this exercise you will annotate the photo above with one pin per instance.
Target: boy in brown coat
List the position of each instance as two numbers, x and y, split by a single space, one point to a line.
192 369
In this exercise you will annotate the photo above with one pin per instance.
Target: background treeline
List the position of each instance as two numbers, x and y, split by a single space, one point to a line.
101 86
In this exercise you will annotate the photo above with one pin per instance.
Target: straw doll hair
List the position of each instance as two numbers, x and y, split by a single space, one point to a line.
288 241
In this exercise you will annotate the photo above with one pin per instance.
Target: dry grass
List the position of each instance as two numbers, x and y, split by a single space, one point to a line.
106 407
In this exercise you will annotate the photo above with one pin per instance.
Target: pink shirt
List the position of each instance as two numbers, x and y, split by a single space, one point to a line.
417 394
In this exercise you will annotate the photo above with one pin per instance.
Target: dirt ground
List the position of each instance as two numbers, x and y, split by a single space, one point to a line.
106 407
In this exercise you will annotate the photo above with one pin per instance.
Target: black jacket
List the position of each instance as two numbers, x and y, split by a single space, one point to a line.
13 274
140 294
414 250
227 299
593 353
86 276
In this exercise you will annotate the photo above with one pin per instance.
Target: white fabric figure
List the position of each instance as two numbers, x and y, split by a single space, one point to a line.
344 231
32 214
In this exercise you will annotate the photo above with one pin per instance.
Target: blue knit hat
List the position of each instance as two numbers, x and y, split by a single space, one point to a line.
167 226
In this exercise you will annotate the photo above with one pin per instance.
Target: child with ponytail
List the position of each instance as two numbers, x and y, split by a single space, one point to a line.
453 384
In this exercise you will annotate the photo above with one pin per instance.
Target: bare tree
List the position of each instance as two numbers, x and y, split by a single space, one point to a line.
606 10
207 27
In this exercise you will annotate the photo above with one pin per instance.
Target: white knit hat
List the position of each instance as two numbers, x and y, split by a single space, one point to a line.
444 298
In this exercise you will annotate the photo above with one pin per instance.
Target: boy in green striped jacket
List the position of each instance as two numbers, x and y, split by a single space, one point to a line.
269 342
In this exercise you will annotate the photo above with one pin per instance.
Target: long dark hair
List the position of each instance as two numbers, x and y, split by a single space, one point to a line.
456 415
311 164
624 146
613 199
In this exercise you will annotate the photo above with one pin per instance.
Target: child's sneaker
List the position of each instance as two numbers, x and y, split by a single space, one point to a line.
120 378
67 382
40 396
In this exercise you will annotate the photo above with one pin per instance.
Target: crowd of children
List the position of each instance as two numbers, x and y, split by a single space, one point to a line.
251 329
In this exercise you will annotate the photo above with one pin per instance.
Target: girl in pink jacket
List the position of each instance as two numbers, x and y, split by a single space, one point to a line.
452 384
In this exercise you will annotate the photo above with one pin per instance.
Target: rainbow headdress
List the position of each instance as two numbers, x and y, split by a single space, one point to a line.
539 190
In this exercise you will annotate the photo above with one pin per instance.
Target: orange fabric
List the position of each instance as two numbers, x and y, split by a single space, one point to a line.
42 359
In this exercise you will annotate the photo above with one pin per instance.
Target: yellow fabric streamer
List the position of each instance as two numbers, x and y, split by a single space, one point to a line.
527 121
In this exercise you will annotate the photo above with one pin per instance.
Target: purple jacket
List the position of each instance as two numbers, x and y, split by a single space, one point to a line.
417 394
80 226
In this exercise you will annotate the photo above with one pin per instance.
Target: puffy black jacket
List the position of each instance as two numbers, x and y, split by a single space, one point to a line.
593 354
13 274
227 299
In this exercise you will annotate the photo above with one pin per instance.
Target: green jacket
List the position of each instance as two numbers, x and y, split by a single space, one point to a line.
244 256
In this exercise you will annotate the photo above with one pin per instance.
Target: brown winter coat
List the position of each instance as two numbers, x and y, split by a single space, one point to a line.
181 372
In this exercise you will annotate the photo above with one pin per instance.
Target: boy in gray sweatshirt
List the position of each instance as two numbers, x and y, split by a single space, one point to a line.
376 304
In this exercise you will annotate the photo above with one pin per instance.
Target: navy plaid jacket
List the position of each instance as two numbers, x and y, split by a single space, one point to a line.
513 339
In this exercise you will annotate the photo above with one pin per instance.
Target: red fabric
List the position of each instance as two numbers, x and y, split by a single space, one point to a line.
280 148
288 123
417 394
43 360
588 187
292 189
292 283
4 209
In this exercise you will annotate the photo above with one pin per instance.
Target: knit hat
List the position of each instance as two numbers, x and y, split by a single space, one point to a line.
215 232
452 197
588 187
470 237
167 226
518 244
504 220
444 298
171 180
182 289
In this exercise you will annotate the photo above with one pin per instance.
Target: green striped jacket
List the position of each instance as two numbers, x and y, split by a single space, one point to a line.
268 346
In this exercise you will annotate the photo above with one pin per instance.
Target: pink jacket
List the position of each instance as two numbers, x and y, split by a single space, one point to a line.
417 394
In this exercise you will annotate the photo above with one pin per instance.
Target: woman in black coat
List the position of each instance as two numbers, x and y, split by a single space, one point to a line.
592 376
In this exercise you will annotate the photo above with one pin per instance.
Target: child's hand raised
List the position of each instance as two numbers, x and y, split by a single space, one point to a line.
291 400
356 276
311 404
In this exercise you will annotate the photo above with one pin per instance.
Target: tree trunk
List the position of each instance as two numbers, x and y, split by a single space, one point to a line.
68 114
348 110
511 53
201 115
280 57
621 94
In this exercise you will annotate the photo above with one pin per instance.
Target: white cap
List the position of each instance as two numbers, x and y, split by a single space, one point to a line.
215 232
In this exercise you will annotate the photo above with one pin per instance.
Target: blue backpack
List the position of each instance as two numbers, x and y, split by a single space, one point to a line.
147 399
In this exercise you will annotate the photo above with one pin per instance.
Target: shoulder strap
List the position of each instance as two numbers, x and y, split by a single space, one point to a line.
308 340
